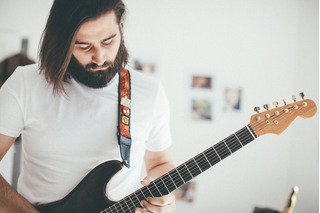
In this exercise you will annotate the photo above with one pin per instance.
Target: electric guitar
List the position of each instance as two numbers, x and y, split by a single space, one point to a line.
89 195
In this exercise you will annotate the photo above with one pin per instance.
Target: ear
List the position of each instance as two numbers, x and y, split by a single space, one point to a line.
121 22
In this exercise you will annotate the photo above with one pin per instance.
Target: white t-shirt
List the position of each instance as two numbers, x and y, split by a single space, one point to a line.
65 136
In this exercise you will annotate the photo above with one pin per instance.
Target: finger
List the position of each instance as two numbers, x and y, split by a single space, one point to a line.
159 209
162 201
138 210
147 180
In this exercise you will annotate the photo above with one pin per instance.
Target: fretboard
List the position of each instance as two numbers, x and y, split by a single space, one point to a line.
186 171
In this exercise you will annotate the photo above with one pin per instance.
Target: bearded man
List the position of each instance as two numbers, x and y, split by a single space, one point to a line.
66 109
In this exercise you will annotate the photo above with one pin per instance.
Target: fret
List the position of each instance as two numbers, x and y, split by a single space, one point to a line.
144 194
149 191
217 154
158 192
135 200
178 179
115 209
192 167
185 173
120 209
246 136
238 139
233 143
208 165
197 165
161 186
168 191
202 161
222 150
212 156
170 186
124 206
128 201
251 131
227 146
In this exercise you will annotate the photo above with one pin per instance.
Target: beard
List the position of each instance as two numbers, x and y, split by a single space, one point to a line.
99 78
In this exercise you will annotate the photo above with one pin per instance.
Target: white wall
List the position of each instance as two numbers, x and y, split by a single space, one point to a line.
268 47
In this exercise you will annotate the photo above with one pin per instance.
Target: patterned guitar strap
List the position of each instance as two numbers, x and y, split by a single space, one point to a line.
124 109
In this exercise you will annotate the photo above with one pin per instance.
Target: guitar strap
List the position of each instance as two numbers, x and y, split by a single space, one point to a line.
124 111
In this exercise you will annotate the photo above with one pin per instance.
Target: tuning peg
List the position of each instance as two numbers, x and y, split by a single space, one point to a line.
266 106
301 94
275 103
294 98
256 109
284 102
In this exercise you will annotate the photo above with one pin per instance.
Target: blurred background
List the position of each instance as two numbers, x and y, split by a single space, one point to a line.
217 60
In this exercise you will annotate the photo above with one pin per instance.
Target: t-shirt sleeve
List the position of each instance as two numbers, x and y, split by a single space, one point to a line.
11 116
160 135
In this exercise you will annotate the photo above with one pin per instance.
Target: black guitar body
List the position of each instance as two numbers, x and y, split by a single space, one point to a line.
89 195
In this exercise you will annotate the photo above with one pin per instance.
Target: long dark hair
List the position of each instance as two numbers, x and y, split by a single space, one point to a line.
58 38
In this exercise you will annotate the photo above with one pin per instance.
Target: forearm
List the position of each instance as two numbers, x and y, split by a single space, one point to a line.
11 201
160 169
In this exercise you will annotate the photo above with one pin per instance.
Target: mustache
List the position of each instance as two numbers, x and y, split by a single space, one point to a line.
93 66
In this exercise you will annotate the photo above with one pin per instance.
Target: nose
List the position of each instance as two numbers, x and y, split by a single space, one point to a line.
99 56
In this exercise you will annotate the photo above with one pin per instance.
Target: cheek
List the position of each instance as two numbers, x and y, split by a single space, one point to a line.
83 59
112 53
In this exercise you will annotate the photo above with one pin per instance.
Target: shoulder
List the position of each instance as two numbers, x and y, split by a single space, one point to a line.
28 71
24 78
147 90
143 82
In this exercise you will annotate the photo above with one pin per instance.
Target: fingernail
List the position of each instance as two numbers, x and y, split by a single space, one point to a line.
138 211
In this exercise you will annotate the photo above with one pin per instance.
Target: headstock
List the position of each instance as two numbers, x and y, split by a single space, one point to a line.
278 119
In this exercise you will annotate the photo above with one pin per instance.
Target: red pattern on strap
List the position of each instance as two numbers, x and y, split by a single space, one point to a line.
125 103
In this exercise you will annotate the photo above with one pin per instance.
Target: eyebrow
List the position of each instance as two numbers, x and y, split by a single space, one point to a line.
110 37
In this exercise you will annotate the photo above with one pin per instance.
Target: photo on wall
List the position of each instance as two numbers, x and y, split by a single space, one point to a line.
202 82
232 99
185 196
144 66
201 109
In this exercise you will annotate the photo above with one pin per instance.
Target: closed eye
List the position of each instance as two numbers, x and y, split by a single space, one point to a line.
84 47
107 42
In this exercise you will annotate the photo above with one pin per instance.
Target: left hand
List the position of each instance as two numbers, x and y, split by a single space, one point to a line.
164 204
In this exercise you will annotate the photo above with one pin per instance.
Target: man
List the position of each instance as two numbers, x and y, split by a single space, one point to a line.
66 111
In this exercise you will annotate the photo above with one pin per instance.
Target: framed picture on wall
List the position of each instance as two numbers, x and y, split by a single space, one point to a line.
185 196
144 66
232 99
202 82
201 109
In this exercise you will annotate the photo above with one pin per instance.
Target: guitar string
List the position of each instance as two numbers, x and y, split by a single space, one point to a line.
183 174
200 163
192 169
202 160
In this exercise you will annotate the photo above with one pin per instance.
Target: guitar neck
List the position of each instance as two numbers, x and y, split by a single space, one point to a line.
187 171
